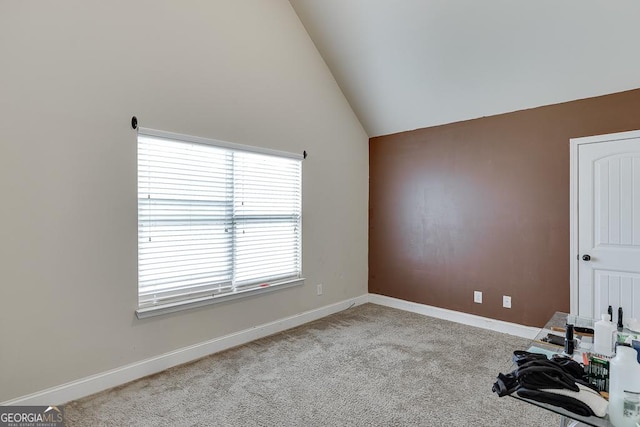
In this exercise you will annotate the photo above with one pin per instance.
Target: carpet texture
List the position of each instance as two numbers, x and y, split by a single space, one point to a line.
366 366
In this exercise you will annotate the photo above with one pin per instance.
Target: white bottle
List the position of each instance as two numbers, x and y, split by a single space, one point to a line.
624 388
603 338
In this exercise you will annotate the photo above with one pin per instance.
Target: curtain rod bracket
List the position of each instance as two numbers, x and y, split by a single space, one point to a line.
134 122
304 154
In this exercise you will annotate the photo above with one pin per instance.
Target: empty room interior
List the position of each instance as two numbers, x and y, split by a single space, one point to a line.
418 161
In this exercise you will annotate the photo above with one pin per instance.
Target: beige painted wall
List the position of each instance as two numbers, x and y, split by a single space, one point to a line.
72 75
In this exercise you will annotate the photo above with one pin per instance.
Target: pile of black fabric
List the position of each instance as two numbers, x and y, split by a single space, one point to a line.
559 381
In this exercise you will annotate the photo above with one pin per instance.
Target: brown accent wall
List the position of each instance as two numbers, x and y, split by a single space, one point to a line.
483 205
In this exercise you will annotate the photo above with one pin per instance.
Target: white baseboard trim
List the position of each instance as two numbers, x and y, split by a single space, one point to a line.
124 374
456 316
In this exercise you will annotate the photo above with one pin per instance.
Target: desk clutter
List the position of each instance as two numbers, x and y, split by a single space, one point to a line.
558 381
595 373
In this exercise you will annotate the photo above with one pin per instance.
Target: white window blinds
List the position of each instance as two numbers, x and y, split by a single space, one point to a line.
214 219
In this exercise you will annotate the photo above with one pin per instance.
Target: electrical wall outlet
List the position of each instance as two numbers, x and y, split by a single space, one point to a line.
506 301
477 297
320 289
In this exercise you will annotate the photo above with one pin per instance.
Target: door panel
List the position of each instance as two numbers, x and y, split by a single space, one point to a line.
616 198
618 289
609 226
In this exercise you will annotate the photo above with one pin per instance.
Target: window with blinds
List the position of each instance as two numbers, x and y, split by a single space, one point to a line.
214 219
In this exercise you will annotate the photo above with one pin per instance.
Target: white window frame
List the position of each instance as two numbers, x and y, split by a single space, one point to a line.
173 306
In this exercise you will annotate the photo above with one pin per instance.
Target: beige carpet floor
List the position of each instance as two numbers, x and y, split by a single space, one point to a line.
366 366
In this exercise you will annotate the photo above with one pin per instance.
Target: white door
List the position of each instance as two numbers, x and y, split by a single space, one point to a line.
606 228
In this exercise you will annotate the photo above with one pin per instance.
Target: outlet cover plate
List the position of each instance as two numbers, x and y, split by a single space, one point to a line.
506 301
477 297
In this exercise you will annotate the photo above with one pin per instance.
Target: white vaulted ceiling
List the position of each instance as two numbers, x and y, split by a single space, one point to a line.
407 64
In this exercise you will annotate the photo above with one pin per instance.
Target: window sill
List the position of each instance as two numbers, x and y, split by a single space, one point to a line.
161 309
